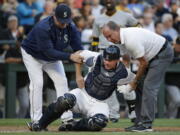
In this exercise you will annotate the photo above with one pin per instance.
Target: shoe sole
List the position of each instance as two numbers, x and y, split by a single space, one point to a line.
29 126
146 130
127 130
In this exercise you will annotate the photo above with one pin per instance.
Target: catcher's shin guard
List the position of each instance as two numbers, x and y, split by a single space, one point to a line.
94 123
55 110
131 106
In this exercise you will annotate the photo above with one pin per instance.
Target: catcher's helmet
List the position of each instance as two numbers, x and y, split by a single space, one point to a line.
111 53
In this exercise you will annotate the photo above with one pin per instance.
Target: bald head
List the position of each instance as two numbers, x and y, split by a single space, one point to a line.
112 25
111 32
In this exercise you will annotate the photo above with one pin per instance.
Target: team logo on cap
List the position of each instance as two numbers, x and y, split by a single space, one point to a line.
65 14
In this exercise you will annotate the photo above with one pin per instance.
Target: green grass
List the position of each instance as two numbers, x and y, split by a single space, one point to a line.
121 124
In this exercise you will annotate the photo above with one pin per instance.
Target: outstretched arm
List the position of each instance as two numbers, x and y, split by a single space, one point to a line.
85 54
79 77
142 68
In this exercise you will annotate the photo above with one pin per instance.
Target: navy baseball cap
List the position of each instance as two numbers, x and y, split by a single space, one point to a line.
63 13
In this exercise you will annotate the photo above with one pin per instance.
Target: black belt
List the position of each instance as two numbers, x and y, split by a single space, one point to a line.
162 49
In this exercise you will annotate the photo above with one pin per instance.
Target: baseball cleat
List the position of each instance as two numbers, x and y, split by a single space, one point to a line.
142 128
33 126
139 128
29 124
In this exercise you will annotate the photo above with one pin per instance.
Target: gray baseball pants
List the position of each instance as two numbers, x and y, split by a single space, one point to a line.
153 79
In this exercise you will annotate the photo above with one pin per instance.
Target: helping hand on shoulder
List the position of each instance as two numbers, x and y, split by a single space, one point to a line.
76 57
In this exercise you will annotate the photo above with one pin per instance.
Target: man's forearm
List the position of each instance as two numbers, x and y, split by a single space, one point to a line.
142 68
140 72
78 68
79 77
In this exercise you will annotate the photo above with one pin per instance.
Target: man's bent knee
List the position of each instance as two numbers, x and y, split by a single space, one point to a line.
65 102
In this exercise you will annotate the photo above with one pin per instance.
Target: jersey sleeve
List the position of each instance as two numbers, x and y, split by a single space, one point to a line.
134 47
23 11
131 22
137 49
43 39
86 54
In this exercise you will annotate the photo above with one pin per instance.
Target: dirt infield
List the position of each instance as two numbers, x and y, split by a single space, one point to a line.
54 129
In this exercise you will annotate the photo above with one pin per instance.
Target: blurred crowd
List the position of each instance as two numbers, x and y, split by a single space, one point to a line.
17 17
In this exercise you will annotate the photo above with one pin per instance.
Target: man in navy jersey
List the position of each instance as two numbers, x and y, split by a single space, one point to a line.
42 50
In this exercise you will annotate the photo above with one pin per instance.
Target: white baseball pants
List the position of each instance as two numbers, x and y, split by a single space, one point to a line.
35 69
87 105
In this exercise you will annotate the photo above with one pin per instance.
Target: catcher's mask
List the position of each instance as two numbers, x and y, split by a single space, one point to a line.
111 53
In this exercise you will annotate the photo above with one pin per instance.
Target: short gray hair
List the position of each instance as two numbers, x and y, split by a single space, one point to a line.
112 25
12 17
167 17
